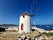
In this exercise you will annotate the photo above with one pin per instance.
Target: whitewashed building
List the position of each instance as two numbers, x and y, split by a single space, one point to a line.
25 23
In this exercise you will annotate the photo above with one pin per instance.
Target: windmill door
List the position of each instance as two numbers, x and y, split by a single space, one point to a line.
21 26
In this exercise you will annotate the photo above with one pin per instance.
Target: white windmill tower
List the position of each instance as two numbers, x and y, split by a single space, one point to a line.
25 23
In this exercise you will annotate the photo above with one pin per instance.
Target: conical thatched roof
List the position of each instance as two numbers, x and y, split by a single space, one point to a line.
25 13
28 14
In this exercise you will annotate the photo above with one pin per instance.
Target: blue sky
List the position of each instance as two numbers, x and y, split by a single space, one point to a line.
10 11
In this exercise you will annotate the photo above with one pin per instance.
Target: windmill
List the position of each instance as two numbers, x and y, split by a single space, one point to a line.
25 21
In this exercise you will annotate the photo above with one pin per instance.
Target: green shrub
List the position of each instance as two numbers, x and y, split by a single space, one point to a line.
48 34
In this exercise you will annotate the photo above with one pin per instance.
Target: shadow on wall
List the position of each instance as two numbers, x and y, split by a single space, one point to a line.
33 29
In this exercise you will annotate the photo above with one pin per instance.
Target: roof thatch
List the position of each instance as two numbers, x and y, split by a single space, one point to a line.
25 13
28 14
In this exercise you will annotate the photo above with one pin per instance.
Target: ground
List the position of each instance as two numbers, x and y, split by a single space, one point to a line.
14 35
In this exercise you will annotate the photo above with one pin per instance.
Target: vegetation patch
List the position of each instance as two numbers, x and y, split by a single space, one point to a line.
48 34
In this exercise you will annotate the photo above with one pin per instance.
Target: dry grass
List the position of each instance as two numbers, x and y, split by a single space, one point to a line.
13 35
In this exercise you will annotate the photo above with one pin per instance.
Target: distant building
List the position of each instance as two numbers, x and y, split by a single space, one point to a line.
5 27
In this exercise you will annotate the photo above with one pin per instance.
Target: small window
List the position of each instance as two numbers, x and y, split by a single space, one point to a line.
23 16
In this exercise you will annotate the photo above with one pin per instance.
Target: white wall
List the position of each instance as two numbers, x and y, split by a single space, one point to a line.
26 24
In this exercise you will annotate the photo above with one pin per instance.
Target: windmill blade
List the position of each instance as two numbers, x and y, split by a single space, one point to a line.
36 15
32 15
37 10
